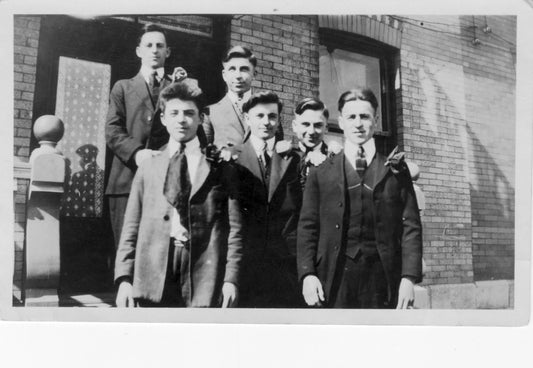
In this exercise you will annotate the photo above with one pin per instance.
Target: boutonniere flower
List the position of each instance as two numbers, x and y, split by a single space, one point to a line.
334 148
396 161
283 147
315 158
215 155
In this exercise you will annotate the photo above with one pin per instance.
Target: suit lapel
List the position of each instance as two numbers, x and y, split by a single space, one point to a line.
381 169
160 166
232 109
248 159
201 175
278 169
141 89
336 166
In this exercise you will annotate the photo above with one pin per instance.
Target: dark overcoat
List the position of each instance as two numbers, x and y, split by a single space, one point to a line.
270 216
322 224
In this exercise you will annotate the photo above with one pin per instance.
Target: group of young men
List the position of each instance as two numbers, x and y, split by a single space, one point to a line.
210 207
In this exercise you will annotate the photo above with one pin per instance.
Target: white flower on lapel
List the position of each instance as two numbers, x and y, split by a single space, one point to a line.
334 148
283 147
316 157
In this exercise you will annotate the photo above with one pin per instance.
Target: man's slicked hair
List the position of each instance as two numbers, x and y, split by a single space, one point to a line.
361 94
186 90
264 97
311 103
151 27
240 52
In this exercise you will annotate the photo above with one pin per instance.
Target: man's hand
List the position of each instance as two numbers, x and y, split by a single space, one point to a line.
143 154
125 295
230 295
179 74
406 294
312 291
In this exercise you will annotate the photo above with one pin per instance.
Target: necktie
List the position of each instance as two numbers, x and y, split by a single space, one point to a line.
264 160
238 106
177 187
153 83
360 161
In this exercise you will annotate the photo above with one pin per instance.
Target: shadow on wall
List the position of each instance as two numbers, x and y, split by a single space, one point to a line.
489 69
492 198
468 230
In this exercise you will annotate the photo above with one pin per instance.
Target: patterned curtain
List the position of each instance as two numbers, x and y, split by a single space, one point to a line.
81 102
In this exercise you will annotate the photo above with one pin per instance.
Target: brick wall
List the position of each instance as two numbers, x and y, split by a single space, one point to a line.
287 51
449 88
26 40
490 76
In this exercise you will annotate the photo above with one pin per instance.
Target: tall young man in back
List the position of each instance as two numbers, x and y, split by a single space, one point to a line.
224 123
133 130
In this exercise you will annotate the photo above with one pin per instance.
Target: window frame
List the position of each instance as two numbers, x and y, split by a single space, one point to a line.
387 55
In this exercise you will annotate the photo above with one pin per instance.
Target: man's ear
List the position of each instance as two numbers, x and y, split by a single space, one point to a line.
246 118
168 52
137 51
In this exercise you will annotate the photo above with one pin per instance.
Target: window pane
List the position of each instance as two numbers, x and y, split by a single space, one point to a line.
343 70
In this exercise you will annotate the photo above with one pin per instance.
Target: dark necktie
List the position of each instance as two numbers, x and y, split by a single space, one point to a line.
154 85
178 185
360 161
264 160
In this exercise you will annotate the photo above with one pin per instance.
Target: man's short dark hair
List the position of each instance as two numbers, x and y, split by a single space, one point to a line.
186 90
151 27
311 103
362 94
240 52
264 97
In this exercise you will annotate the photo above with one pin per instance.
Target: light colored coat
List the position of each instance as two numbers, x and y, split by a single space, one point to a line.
214 228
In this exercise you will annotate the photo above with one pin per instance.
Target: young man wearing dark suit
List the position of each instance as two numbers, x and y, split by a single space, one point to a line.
270 198
310 124
133 130
181 244
359 234
224 123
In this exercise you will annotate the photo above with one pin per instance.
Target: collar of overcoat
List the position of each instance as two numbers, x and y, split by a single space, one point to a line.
278 168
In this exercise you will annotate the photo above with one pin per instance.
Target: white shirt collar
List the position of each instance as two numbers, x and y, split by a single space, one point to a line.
350 151
190 147
303 148
147 71
258 144
235 99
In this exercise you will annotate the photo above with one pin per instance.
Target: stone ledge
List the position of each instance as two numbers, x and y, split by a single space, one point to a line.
497 294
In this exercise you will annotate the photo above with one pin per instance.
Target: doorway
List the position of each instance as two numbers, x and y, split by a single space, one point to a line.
86 244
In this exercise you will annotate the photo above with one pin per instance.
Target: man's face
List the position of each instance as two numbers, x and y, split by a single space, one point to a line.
263 120
310 127
238 74
181 118
358 121
153 50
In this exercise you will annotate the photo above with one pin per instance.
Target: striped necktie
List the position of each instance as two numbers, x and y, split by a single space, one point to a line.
360 161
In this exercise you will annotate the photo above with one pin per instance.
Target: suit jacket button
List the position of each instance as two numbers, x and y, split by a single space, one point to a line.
337 226
166 217
149 118
340 204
